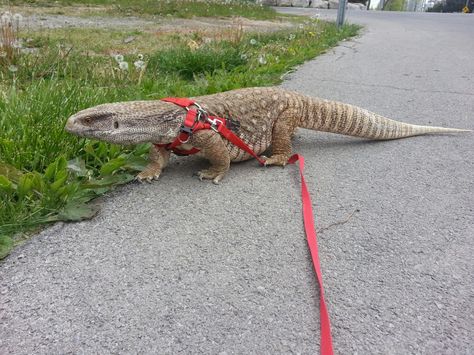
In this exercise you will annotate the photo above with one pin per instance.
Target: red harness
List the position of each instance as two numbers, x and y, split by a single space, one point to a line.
197 119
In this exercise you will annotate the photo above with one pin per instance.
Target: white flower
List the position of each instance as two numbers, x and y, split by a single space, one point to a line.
13 68
18 18
253 41
17 44
243 56
301 26
207 40
7 17
123 65
139 64
140 57
292 37
261 59
118 58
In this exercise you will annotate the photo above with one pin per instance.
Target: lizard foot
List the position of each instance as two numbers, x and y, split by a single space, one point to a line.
277 159
147 176
210 174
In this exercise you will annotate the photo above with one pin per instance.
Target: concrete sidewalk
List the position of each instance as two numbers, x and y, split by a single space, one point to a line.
235 276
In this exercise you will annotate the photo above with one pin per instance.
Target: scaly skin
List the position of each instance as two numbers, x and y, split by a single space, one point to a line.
267 117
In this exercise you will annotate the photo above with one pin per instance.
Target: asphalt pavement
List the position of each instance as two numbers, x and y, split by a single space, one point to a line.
183 266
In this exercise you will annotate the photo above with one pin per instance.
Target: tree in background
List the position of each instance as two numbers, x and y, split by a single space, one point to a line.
452 6
394 5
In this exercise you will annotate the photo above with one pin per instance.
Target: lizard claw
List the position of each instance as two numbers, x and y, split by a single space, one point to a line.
210 175
147 177
278 159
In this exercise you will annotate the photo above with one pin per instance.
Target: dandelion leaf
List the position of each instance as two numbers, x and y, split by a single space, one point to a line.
6 245
76 211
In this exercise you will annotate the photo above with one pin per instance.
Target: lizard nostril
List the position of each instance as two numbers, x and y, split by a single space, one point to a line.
116 125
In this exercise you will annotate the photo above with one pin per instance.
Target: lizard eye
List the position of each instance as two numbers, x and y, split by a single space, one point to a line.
88 120
116 125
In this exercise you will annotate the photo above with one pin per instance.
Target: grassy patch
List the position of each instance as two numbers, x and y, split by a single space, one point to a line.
395 5
47 175
175 8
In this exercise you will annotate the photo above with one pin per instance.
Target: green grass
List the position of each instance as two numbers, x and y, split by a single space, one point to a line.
395 5
48 175
175 8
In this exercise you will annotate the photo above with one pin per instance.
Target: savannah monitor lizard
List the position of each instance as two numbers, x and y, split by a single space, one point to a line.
266 117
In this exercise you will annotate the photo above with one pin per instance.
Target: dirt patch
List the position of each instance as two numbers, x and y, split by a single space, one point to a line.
86 17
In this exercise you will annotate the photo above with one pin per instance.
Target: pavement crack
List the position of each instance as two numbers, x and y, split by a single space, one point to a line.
339 222
343 53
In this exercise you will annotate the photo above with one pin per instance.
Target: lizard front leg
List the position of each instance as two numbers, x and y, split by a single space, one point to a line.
158 158
213 149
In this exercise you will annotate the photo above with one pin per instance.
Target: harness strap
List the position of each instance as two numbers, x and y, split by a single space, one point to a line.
180 101
192 123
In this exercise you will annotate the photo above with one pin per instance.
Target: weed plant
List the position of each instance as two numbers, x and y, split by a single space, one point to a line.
48 175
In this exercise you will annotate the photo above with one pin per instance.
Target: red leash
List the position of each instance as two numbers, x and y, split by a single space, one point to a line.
197 119
310 231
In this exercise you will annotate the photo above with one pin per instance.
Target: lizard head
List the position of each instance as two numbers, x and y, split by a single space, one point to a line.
128 122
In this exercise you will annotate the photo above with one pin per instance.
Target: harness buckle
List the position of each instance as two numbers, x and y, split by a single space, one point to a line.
215 123
188 130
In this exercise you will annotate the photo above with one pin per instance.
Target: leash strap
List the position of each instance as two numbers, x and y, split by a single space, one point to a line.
192 124
310 231
235 140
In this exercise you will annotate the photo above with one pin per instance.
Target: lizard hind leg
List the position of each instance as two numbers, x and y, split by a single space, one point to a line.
281 144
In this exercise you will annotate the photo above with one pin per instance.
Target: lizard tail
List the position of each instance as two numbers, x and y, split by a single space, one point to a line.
337 117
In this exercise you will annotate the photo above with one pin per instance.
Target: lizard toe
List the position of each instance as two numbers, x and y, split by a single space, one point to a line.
147 176
216 177
279 159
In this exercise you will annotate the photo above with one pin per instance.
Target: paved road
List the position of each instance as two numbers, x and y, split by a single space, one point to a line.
181 266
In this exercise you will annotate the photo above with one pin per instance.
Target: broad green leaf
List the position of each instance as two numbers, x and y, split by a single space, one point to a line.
135 163
59 181
68 190
38 183
83 196
112 165
50 171
6 245
75 211
25 185
5 184
77 166
107 182
110 180
61 165
141 149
